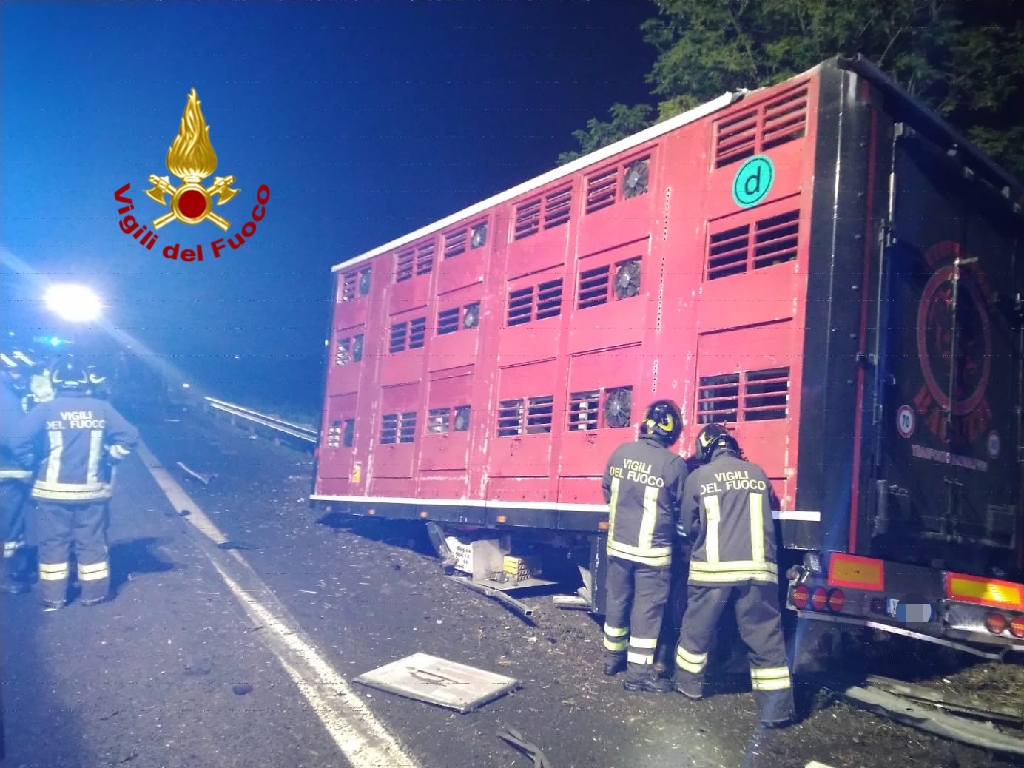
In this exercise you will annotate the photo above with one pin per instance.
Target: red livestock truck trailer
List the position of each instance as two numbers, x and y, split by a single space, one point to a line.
823 265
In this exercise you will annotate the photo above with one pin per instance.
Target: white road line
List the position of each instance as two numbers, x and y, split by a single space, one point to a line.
816 764
363 740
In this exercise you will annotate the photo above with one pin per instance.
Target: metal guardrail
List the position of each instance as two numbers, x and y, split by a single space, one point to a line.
271 422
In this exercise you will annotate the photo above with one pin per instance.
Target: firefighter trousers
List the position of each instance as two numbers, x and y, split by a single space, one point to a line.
760 627
83 526
13 501
635 606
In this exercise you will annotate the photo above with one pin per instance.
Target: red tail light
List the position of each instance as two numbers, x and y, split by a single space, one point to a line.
996 623
819 599
1017 627
801 595
836 600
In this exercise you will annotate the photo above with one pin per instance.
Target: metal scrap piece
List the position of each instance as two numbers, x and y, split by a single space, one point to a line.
906 712
515 738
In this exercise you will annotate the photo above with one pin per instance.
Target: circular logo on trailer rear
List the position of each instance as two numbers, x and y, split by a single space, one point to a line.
753 181
905 420
993 445
938 319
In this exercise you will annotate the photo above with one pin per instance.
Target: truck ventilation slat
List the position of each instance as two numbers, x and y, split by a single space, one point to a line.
417 332
342 356
557 208
583 410
776 239
520 306
549 299
527 219
399 331
539 413
447 321
766 394
736 138
785 118
601 190
407 427
348 286
424 259
594 287
389 429
438 420
455 243
510 418
718 398
768 125
404 265
334 434
727 252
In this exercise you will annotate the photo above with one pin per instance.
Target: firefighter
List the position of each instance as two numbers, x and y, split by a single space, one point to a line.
643 485
76 439
727 507
14 480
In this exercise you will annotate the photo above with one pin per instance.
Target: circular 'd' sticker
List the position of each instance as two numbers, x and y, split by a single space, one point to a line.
993 445
753 181
905 420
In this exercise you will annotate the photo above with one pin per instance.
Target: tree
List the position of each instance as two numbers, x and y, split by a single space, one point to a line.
964 59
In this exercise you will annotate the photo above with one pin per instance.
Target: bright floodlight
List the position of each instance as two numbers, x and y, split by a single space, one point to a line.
74 303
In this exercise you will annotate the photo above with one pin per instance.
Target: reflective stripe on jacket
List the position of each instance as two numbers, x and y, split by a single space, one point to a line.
642 486
75 439
735 541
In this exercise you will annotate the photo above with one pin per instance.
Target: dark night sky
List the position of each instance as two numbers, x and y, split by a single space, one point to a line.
366 120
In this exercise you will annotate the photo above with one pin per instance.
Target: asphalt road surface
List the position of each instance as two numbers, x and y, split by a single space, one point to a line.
237 629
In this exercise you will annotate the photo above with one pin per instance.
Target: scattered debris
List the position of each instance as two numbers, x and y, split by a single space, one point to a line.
235 545
308 591
532 751
241 690
439 681
906 712
958 704
521 609
204 479
571 602
441 547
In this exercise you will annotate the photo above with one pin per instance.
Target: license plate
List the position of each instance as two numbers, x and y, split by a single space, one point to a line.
909 613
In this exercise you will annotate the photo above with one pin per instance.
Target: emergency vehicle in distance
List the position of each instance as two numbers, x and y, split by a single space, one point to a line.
822 265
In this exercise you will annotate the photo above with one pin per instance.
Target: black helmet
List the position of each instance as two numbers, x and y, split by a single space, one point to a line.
69 377
663 421
714 436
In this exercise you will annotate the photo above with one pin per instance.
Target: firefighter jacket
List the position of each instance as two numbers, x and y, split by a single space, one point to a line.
728 502
75 440
643 484
11 415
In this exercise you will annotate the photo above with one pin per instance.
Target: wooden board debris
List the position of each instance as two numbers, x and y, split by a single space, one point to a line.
439 681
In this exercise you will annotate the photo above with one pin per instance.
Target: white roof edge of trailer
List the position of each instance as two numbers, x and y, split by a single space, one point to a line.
539 181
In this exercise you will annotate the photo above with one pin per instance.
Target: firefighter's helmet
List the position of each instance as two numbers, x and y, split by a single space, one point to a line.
68 376
713 437
663 421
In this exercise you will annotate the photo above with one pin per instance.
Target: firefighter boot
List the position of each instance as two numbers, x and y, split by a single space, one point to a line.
16 578
776 707
648 683
690 685
642 677
614 663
